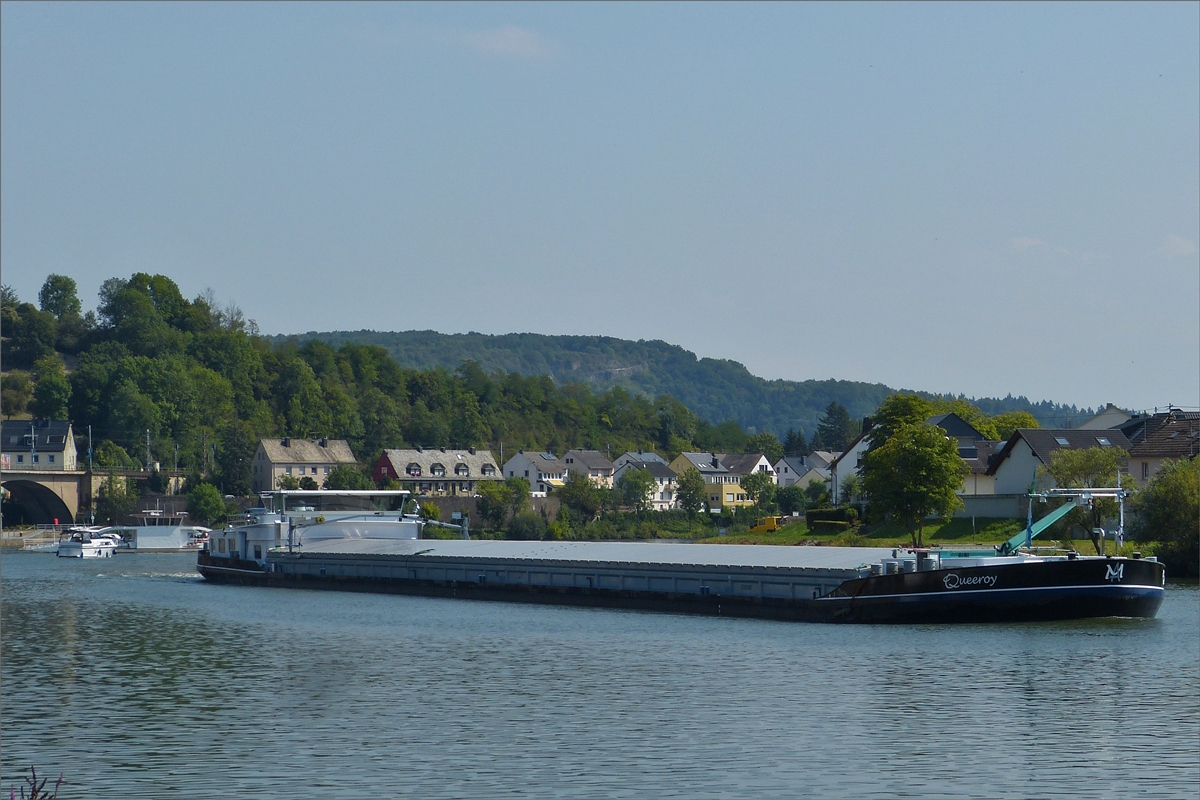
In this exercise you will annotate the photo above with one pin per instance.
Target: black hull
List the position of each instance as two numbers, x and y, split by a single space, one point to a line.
1019 593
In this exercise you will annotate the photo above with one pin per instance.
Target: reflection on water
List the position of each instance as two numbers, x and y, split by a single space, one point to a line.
136 679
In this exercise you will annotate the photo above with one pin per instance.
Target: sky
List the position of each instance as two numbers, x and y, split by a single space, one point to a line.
968 198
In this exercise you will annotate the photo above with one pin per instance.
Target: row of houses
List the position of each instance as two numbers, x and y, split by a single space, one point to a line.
1000 473
995 470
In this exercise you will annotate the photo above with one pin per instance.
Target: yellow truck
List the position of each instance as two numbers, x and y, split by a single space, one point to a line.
768 524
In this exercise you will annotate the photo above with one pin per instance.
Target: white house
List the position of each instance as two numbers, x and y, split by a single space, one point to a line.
1015 465
847 463
544 471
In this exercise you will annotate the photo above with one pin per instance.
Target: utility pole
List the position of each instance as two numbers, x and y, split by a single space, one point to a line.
32 444
89 448
147 449
174 468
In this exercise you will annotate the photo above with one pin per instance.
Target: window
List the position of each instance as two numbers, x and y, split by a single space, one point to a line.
1104 442
729 497
327 470
489 470
221 545
438 470
1145 470
258 551
462 469
35 458
288 470
526 473
1062 441
52 459
20 459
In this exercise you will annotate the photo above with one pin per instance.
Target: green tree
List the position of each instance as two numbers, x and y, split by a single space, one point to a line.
836 431
849 487
1093 467
692 492
430 511
348 476
307 483
1008 422
289 483
110 454
58 296
236 446
896 411
765 443
815 494
16 390
31 335
914 474
790 499
527 525
52 392
760 488
493 503
205 504
115 500
518 495
794 443
581 496
635 487
1168 510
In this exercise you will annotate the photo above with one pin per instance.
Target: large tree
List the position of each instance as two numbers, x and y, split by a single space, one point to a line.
765 443
913 475
635 486
1168 511
692 492
52 392
760 488
1093 467
58 296
836 430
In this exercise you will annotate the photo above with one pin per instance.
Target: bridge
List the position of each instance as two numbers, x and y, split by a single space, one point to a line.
48 496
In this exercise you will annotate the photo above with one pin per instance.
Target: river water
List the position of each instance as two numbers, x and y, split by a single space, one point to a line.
134 678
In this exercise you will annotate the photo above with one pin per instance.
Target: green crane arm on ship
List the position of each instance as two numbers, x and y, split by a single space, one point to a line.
1026 536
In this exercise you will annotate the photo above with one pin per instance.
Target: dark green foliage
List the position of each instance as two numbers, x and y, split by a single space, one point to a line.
58 296
764 443
836 430
794 443
307 483
790 499
110 454
692 493
348 476
205 503
760 488
16 390
635 487
1168 511
527 525
581 496
52 391
115 500
913 475
31 336
713 389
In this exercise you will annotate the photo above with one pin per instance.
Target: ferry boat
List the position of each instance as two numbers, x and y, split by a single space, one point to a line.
362 541
156 530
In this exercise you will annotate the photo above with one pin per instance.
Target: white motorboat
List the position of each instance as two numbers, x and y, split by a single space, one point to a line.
87 543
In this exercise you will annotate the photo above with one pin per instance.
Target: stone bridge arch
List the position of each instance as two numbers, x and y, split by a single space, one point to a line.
40 503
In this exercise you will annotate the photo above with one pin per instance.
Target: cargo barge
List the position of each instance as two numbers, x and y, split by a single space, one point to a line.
362 541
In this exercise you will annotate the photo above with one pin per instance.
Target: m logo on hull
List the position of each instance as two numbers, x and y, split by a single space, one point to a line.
1115 574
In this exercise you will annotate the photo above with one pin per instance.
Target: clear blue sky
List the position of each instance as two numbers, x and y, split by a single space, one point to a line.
952 197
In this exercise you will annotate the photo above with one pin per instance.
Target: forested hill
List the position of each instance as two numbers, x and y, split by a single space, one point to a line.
715 389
